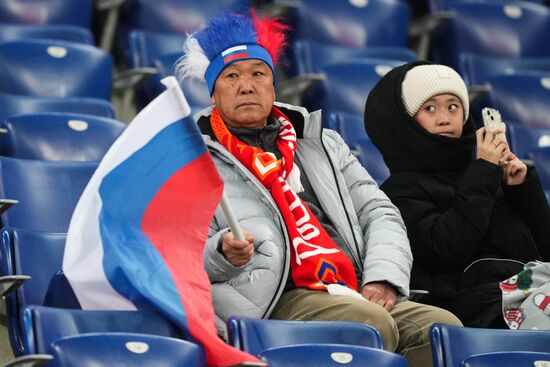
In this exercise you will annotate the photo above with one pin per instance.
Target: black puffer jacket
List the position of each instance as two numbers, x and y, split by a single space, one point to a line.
468 230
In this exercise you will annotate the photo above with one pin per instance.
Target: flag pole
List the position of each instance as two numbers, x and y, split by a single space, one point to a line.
171 83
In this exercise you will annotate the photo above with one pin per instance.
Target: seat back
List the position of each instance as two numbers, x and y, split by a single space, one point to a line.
176 16
541 157
452 344
310 56
44 325
49 68
144 47
522 98
516 29
345 87
62 32
349 23
507 359
35 254
257 335
59 136
476 69
524 139
47 191
12 104
47 12
373 161
331 355
124 349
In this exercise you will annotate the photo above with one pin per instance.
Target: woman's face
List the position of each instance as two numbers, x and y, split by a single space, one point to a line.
443 115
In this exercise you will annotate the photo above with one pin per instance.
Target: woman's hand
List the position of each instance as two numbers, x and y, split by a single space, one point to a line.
515 170
490 145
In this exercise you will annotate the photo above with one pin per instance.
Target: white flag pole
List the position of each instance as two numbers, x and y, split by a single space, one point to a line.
171 83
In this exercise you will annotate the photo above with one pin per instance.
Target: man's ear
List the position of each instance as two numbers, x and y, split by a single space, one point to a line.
213 99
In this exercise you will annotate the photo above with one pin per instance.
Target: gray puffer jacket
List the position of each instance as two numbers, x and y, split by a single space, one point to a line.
363 215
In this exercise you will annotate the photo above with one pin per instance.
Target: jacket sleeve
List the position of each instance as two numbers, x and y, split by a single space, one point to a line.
386 252
529 201
446 240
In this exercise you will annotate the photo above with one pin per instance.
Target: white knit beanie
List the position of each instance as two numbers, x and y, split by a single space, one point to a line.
425 81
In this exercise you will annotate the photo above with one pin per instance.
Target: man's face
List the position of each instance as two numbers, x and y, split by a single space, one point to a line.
244 93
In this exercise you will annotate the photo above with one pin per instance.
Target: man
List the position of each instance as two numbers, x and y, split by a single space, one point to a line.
321 241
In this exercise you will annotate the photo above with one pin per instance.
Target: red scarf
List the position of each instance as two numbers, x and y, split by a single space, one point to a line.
315 259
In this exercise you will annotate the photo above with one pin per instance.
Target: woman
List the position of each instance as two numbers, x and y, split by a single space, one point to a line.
474 212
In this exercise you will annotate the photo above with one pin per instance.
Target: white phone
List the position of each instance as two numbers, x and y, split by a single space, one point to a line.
492 120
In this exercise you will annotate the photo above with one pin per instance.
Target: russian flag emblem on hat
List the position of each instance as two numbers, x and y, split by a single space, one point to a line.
236 52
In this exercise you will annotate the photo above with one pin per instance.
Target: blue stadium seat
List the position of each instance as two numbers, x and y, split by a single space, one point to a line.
45 325
166 16
441 5
58 136
47 68
371 158
507 359
47 192
350 126
346 23
124 349
517 29
258 335
311 56
521 98
541 158
28 253
62 32
524 139
12 104
476 69
330 355
451 345
144 47
47 12
345 87
195 90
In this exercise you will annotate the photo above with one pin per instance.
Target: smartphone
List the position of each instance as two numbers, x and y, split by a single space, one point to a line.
492 120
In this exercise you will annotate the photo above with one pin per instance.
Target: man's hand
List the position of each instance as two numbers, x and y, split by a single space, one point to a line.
381 293
238 253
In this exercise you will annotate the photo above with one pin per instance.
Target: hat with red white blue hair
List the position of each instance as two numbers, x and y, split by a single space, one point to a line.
227 39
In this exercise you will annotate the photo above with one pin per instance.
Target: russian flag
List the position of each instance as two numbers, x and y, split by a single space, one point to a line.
137 235
236 52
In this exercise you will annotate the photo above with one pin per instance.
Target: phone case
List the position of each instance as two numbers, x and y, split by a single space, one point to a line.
492 120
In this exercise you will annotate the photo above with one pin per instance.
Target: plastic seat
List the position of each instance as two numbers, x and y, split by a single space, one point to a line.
476 69
47 12
373 161
44 325
524 139
59 136
439 5
515 29
47 68
506 359
12 104
311 56
258 335
452 344
330 355
354 81
62 32
347 23
29 253
541 158
47 192
521 98
124 349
